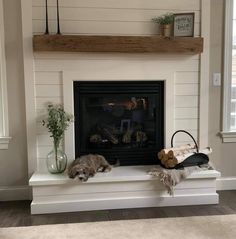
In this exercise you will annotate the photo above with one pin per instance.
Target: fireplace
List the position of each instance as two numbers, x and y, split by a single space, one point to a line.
124 121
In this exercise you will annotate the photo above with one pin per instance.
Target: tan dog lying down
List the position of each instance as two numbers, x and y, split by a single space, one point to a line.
87 165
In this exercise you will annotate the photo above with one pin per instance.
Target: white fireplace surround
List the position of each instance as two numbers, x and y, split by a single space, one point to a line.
68 100
121 67
101 67
123 187
51 76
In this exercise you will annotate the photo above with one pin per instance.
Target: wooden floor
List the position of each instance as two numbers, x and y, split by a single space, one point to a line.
14 214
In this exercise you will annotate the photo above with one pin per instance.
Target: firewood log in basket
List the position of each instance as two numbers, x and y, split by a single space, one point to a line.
183 156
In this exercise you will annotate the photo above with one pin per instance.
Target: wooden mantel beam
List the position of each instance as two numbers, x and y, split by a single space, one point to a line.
125 44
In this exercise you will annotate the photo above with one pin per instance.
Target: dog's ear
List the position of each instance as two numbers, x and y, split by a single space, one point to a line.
72 172
72 169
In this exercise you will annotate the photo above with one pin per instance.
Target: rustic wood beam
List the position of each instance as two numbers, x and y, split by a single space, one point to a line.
127 44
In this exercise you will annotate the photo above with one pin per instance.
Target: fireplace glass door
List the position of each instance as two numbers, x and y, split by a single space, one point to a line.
122 121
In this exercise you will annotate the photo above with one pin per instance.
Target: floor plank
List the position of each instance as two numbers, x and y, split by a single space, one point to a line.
16 214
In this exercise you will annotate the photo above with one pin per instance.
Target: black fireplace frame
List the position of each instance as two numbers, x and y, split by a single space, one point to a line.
126 157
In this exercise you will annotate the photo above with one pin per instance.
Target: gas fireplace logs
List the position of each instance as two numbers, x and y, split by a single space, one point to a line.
174 156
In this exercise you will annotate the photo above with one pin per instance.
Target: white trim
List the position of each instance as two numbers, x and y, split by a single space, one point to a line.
138 201
4 141
4 127
26 8
68 92
204 74
226 183
118 174
13 193
227 64
228 137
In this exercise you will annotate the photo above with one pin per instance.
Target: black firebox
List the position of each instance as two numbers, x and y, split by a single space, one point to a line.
121 120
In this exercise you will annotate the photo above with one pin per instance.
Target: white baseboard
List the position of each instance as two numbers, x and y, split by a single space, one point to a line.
226 183
122 203
14 193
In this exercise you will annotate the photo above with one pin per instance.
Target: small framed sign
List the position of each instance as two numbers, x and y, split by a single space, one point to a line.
184 24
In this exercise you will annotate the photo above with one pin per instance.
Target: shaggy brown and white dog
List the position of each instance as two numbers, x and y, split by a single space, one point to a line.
87 165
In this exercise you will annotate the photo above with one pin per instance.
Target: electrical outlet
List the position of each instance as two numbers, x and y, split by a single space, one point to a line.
217 79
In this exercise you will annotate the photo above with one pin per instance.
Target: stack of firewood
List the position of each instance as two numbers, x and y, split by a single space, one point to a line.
174 156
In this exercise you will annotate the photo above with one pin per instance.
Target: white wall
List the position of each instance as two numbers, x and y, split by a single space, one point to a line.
109 16
115 18
224 155
13 162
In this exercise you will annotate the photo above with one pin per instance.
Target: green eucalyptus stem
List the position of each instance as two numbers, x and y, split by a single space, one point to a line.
56 146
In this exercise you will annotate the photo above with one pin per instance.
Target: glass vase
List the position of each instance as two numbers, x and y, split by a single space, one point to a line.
56 161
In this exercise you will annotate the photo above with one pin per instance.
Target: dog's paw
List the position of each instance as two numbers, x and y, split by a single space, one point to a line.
107 169
100 169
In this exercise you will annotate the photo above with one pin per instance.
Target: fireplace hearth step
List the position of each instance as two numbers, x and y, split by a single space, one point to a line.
124 187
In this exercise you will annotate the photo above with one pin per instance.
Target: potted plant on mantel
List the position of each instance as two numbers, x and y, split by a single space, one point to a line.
165 22
57 121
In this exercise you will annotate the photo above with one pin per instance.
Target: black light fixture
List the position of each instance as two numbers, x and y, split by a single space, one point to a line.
58 20
46 31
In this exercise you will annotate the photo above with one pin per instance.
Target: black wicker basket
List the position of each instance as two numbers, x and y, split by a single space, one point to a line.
196 159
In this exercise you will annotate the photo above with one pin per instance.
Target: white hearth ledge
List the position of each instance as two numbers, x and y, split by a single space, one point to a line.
119 174
123 187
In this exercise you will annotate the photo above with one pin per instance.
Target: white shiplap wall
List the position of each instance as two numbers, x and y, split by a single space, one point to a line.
110 16
117 18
